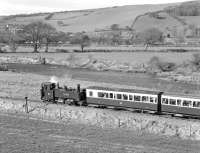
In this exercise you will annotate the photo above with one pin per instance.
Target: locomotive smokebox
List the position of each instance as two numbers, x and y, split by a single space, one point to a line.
78 88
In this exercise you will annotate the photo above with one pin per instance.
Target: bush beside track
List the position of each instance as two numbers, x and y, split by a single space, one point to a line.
185 129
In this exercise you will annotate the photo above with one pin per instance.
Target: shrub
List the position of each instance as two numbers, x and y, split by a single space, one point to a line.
114 27
156 65
3 67
196 61
48 17
177 50
60 23
167 66
60 50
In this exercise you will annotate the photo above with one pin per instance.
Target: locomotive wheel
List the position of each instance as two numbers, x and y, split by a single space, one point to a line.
69 102
82 103
44 101
102 106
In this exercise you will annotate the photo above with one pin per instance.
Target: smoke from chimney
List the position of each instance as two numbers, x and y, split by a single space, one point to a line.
54 79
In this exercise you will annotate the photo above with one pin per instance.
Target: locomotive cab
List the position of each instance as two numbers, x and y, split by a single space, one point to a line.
47 91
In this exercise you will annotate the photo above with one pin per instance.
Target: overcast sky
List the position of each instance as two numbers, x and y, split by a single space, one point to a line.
8 7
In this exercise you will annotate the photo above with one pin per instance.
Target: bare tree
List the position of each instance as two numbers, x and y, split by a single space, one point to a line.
49 32
152 36
82 39
36 31
114 27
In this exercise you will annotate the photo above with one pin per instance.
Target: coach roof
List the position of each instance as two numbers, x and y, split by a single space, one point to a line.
124 90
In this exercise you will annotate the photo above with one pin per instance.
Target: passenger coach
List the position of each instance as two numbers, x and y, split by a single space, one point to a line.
188 105
181 104
124 98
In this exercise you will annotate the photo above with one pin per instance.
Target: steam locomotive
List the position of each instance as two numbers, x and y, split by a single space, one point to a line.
155 101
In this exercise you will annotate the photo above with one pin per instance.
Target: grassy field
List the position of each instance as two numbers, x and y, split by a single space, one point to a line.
119 48
133 58
21 135
133 62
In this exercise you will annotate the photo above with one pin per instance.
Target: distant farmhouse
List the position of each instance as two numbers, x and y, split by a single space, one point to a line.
186 35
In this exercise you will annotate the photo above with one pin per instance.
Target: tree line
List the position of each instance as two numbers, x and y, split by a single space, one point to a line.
185 9
39 34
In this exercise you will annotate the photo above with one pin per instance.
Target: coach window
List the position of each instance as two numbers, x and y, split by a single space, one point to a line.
156 100
145 98
130 97
136 98
196 104
164 101
91 93
119 96
105 95
111 95
100 94
125 97
172 101
187 103
151 99
178 101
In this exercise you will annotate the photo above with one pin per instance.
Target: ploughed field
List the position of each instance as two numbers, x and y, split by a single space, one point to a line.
20 134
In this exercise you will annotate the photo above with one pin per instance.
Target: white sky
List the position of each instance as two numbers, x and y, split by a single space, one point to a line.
8 7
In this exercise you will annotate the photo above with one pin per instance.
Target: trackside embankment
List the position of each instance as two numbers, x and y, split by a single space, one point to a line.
105 118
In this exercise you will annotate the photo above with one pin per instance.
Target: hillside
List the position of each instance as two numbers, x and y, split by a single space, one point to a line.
162 22
179 17
174 20
86 20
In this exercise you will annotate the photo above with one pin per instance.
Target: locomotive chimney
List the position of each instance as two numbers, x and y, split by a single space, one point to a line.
78 88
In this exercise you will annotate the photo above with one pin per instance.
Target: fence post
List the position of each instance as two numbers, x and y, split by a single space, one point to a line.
26 105
60 114
119 122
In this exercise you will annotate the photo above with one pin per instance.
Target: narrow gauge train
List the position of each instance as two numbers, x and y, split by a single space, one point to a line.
158 102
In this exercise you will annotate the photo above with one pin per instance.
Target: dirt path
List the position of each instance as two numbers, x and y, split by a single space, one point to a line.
21 135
